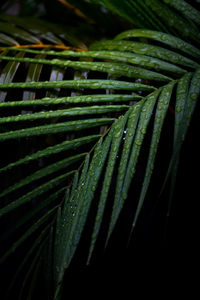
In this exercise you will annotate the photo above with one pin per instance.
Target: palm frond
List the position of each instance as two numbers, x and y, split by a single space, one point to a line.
75 124
174 17
32 32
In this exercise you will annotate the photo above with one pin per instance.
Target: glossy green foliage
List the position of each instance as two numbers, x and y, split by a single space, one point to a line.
36 31
74 126
161 15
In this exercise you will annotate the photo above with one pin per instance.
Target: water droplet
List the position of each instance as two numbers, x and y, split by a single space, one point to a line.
124 196
193 96
138 142
143 130
179 109
144 109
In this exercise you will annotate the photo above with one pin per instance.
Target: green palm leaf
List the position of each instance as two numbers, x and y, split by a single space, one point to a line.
76 123
161 111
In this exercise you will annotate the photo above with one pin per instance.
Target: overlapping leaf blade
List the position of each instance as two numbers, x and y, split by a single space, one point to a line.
34 193
80 84
111 68
186 9
118 56
120 197
58 148
18 33
161 110
167 16
87 99
79 204
77 111
145 49
163 38
113 155
29 232
55 128
188 92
